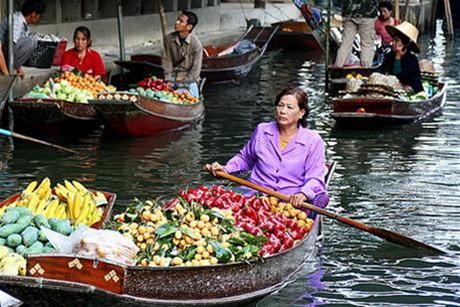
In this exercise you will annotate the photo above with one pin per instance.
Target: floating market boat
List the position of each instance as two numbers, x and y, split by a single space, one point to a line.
220 64
109 284
140 116
362 112
31 113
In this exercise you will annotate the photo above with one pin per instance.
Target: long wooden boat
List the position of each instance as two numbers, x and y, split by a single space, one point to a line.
338 76
146 116
215 68
362 112
216 285
297 35
31 113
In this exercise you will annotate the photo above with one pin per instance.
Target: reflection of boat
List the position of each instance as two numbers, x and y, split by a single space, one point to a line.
297 34
53 113
363 110
233 283
215 68
146 116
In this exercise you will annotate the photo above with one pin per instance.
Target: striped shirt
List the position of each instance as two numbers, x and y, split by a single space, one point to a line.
20 28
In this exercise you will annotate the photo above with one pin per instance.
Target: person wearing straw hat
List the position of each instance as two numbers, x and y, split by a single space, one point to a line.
402 61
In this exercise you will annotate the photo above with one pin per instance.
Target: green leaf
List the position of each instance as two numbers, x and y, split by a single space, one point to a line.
189 232
254 240
189 253
222 253
165 230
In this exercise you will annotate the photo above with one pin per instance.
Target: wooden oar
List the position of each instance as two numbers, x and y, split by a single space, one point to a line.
382 233
28 138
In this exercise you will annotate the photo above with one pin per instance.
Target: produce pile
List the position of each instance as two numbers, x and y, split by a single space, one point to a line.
208 226
60 209
160 89
70 86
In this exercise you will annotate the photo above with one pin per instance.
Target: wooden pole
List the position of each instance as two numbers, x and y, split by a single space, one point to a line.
434 9
406 10
163 20
450 24
397 14
328 47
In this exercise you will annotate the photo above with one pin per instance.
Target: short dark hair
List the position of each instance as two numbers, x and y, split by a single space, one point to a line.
192 19
302 101
386 4
30 6
85 31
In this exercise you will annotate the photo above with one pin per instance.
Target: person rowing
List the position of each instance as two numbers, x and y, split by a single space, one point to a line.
284 155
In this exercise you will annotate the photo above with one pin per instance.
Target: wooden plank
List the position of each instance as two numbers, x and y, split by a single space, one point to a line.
450 25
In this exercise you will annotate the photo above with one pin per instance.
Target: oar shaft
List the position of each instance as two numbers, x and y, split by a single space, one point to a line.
382 233
28 138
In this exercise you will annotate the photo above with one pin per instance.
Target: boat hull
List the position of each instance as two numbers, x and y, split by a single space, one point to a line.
147 117
53 114
295 35
386 111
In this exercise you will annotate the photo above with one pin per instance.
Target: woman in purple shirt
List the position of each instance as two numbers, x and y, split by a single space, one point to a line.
284 155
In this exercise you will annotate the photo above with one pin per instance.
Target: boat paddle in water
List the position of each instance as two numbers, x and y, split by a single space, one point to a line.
9 133
382 233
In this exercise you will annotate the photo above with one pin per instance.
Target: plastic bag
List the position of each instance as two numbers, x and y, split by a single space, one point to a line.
95 243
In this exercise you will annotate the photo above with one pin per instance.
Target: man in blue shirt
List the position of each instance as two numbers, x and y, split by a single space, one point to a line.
23 43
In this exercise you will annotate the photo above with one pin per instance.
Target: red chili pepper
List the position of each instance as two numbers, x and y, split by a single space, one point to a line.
172 203
251 213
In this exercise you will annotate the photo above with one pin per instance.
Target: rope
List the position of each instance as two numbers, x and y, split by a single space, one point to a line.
244 13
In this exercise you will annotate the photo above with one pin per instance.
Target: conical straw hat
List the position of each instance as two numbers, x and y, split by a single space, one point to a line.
405 29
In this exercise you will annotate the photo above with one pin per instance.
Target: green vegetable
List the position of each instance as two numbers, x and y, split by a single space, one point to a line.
40 220
20 249
63 227
53 222
23 210
36 248
13 240
29 236
9 229
42 237
48 250
2 241
10 217
25 219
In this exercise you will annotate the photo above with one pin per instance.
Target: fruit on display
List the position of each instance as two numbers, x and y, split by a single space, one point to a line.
160 89
70 200
211 225
185 234
70 86
11 263
124 96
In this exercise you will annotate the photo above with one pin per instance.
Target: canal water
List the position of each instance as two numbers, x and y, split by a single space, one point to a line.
404 178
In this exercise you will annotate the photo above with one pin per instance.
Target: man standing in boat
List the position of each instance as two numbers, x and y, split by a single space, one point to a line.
183 54
359 17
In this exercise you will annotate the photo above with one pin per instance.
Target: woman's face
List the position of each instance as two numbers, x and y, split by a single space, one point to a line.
384 13
398 45
81 41
288 111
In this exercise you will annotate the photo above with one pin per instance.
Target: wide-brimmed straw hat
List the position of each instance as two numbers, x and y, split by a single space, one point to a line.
405 29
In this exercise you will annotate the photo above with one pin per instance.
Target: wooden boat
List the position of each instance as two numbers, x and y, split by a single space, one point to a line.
218 285
146 116
32 113
215 68
295 35
362 112
111 197
338 76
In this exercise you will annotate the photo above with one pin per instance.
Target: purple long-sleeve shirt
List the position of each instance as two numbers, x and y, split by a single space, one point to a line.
300 167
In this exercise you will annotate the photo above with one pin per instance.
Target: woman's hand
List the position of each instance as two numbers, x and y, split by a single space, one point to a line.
214 167
297 199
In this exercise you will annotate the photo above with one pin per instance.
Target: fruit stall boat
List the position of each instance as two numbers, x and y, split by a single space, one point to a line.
220 65
53 113
363 112
63 280
140 116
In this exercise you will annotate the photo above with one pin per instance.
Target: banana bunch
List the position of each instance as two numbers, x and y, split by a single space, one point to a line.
39 199
81 203
11 263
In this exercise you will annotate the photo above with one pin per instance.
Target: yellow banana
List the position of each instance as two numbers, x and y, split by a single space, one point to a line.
30 188
62 192
41 207
61 211
70 186
85 210
47 193
77 205
41 190
32 202
50 210
79 186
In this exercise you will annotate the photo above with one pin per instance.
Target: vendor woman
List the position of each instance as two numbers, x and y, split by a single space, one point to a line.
402 61
82 57
284 155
